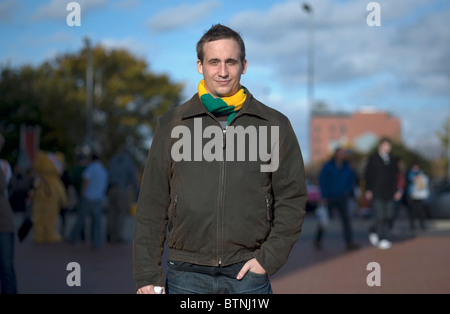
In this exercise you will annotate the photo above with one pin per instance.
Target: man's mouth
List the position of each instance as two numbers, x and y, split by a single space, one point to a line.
222 83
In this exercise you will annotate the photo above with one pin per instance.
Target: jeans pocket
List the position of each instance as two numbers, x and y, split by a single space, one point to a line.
173 273
257 278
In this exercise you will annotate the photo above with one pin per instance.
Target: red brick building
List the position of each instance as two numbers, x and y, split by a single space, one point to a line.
359 131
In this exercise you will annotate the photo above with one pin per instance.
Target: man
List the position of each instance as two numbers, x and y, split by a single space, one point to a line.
8 283
122 177
337 181
232 218
93 193
382 190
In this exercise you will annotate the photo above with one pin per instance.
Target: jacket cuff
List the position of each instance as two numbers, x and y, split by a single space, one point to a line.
155 279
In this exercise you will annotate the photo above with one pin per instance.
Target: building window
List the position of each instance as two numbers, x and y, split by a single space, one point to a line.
332 129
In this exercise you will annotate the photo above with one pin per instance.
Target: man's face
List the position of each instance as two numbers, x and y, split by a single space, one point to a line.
385 147
222 67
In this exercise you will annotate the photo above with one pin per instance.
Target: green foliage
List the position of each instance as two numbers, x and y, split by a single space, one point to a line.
128 98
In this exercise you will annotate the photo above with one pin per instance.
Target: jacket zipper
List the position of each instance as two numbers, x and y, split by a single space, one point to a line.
221 203
224 144
221 197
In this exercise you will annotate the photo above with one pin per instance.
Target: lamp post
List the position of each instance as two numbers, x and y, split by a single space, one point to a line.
310 68
310 91
448 140
89 95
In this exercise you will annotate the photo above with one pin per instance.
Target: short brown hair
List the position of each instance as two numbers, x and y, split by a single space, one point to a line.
217 32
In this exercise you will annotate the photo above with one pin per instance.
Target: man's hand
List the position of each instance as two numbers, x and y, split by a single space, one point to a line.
253 266
398 195
150 289
368 194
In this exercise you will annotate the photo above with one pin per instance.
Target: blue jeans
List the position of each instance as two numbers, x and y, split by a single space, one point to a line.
189 282
95 210
7 272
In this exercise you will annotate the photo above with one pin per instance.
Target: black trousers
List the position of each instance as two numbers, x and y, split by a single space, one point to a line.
341 204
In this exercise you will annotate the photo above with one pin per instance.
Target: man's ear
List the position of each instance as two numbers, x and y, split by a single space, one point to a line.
199 66
244 66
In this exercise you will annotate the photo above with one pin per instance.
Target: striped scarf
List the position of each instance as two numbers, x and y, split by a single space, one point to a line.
224 105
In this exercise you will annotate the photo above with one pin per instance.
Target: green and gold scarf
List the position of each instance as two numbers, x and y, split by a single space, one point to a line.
225 105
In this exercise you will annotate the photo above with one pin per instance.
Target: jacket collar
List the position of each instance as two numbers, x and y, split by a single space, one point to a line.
194 107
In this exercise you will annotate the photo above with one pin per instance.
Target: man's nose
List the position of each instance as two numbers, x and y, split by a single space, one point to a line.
223 71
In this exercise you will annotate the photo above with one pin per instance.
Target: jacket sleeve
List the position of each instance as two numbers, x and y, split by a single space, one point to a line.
290 195
151 214
323 182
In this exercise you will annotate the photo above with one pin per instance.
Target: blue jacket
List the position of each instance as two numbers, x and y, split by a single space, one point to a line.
336 182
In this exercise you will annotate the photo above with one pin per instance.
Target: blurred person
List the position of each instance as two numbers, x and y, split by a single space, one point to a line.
8 283
65 179
231 225
122 178
47 198
93 194
398 204
418 191
76 177
382 190
76 180
337 181
19 188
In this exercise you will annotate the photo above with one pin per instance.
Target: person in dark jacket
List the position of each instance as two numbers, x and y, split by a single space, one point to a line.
225 177
337 181
8 281
382 190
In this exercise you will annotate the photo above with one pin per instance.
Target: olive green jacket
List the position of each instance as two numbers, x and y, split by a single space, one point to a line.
219 211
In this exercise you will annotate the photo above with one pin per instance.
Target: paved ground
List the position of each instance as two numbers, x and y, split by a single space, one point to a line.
416 264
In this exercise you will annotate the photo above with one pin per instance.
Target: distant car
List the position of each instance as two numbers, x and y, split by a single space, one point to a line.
438 204
313 196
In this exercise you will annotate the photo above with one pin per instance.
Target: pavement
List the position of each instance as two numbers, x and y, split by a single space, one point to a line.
417 263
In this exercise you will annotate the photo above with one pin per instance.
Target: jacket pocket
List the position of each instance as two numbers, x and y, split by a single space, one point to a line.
178 222
174 205
269 212
172 216
264 225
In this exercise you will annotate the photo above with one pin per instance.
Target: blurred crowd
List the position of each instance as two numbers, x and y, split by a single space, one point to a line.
380 192
48 190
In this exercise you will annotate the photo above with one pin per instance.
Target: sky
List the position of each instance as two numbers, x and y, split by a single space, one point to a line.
400 65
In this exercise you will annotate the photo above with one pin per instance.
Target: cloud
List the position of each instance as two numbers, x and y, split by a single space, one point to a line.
57 9
181 16
409 43
8 9
137 47
401 66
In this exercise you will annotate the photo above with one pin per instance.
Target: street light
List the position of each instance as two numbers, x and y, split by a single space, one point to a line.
89 92
310 67
310 91
448 141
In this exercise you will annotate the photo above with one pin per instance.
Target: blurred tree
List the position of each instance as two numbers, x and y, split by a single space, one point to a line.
128 99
